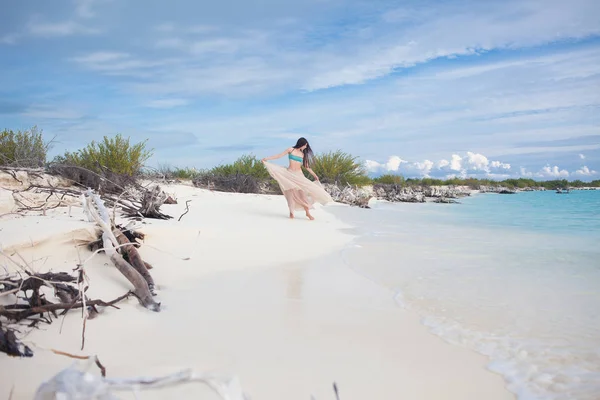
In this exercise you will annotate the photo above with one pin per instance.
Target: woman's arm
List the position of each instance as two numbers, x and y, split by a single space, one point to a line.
283 153
313 174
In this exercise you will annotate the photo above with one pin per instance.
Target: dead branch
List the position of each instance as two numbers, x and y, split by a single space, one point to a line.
187 209
76 382
95 358
134 258
151 202
141 291
10 345
18 312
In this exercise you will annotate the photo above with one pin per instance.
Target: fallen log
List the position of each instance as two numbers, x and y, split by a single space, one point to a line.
134 258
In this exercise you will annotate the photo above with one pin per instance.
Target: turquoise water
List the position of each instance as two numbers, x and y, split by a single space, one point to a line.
576 213
513 277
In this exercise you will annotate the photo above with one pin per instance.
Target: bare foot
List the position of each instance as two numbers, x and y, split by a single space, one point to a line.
310 216
291 216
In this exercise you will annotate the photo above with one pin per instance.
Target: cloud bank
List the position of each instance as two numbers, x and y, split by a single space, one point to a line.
470 165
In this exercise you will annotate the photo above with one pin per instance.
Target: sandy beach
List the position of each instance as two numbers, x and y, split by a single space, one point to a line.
245 292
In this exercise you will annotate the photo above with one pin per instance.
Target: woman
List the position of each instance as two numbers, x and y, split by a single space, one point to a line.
299 192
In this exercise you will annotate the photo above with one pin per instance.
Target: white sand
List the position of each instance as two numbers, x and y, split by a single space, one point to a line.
262 297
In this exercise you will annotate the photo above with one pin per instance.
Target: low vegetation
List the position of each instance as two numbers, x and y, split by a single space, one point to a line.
390 179
25 149
117 156
165 171
247 174
110 165
340 168
245 165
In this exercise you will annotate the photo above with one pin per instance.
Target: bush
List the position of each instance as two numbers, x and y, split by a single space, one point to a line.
245 165
390 179
165 171
23 148
340 168
247 174
185 173
115 154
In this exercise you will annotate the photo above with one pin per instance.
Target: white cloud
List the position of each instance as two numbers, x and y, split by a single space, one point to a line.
524 173
472 164
116 63
65 28
477 162
553 172
581 156
167 103
585 171
499 165
83 8
392 165
101 57
279 56
424 167
446 31
456 162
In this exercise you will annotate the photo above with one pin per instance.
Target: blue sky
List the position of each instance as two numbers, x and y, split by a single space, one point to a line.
424 88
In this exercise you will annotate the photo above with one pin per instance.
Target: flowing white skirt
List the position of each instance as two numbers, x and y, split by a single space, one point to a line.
299 191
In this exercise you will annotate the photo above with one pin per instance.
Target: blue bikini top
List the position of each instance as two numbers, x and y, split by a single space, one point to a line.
295 158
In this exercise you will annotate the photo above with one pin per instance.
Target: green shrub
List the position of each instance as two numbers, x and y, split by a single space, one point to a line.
245 165
339 168
390 179
185 173
115 154
247 174
23 148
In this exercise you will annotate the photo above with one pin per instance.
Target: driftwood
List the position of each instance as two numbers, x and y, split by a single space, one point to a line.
151 201
97 212
36 303
35 307
118 190
77 382
22 311
134 258
10 345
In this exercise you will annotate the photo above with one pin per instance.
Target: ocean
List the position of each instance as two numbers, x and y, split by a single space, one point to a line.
513 277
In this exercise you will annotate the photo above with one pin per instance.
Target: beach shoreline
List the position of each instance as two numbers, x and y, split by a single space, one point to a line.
263 298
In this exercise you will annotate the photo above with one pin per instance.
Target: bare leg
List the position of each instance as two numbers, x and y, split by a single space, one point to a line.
308 214
291 215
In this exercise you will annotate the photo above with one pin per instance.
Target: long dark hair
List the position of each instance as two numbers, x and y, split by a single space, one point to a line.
308 153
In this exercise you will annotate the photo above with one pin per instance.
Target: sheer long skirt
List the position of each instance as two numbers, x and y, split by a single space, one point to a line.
299 191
